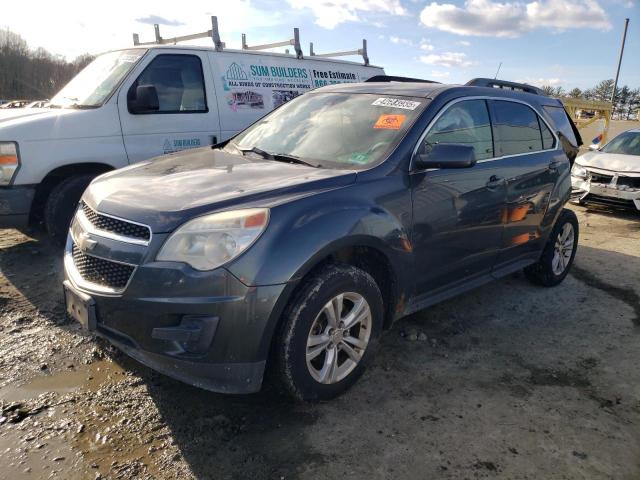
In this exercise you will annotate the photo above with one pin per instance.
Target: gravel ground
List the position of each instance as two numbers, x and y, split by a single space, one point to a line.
509 381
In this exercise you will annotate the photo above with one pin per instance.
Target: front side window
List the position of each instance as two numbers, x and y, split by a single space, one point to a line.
464 123
516 128
178 81
627 143
333 130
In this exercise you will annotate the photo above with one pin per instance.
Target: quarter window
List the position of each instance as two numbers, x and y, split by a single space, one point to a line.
547 136
515 128
464 123
179 82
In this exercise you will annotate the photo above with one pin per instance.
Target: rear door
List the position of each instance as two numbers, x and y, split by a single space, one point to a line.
457 213
529 152
187 117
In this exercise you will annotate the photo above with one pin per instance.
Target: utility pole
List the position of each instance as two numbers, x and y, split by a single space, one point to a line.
615 83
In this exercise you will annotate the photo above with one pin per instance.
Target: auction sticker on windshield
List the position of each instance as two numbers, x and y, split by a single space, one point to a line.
396 103
390 122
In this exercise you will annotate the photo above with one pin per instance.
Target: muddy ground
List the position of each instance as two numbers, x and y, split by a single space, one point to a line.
509 381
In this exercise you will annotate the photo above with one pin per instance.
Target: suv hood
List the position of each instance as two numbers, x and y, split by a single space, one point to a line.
167 191
611 161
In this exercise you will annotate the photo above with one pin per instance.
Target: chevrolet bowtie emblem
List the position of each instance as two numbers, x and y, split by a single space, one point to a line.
85 242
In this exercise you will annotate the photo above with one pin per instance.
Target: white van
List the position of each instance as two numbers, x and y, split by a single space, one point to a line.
134 104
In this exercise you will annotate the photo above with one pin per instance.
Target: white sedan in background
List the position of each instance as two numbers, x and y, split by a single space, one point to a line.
610 175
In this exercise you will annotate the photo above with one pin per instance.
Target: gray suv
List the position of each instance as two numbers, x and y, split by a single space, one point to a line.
292 246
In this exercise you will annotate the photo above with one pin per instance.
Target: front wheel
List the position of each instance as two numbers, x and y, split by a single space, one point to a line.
329 332
558 254
61 205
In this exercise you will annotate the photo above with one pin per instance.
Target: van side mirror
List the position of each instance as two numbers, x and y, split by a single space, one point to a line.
446 155
146 100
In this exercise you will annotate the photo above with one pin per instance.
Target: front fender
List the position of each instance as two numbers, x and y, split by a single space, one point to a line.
303 233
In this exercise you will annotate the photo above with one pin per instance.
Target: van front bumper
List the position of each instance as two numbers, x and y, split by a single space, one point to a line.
207 329
15 205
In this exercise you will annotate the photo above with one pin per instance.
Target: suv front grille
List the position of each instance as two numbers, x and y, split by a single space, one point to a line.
116 226
101 272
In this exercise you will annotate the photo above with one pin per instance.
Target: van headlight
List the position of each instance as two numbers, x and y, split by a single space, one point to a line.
578 171
210 241
9 161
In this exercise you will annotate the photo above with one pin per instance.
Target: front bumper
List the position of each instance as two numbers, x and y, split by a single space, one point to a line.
15 205
584 191
150 319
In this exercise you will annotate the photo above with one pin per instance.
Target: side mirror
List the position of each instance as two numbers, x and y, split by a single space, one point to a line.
594 147
146 100
446 155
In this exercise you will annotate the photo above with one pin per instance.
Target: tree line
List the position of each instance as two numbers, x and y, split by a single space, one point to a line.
33 74
626 101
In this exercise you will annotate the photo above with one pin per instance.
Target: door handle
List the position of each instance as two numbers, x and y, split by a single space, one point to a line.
495 181
553 166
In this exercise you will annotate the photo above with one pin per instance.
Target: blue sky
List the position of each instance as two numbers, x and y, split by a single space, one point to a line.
558 42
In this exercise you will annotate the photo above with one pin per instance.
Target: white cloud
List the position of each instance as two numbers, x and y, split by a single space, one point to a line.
400 40
512 19
447 59
331 13
539 81
439 74
74 27
426 45
464 43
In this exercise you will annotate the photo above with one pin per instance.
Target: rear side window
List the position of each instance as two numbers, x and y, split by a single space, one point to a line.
547 137
561 121
516 128
179 82
464 123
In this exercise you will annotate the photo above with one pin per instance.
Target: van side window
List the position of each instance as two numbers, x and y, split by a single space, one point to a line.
516 128
179 82
464 123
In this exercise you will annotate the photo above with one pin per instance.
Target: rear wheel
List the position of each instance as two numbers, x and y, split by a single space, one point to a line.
61 205
329 333
559 252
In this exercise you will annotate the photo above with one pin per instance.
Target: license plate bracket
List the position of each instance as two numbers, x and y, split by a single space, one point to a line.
80 306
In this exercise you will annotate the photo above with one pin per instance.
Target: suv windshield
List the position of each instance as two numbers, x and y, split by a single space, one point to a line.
93 85
335 130
627 143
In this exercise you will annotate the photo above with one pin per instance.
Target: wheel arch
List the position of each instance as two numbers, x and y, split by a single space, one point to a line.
57 175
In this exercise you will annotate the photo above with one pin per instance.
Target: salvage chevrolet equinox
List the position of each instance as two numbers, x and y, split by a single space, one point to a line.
292 246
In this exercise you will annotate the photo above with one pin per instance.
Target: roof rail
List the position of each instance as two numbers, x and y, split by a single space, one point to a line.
360 51
214 34
390 78
504 84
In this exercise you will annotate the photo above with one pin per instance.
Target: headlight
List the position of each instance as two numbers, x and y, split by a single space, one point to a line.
578 171
210 241
9 161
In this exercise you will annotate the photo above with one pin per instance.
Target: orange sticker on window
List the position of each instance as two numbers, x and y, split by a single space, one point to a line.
390 122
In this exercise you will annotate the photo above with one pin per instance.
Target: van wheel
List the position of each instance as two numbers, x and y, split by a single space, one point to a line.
61 205
558 254
329 333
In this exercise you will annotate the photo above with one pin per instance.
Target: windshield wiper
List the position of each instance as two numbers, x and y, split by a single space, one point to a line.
278 157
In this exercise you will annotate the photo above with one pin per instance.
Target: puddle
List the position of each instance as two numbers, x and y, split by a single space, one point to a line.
85 377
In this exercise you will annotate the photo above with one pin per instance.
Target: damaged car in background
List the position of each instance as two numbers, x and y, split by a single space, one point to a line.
610 175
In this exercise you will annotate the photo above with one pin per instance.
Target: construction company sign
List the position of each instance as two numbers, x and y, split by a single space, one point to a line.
263 85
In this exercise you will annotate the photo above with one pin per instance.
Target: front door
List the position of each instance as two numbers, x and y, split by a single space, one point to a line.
187 116
457 213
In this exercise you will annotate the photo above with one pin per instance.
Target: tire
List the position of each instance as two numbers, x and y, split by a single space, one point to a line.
61 205
556 259
307 319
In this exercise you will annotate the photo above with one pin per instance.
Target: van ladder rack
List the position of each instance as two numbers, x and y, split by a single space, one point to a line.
214 34
295 41
360 51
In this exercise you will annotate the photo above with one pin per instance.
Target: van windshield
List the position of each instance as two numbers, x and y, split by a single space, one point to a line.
334 130
95 83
